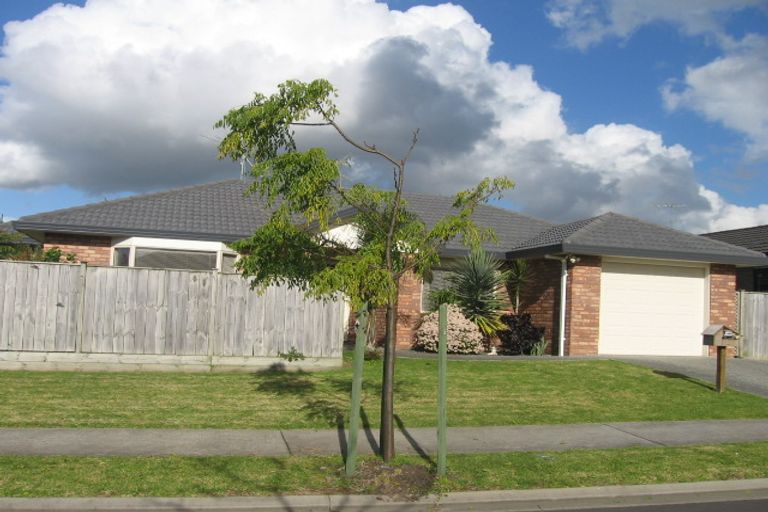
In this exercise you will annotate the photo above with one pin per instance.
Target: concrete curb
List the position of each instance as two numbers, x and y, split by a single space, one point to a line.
486 501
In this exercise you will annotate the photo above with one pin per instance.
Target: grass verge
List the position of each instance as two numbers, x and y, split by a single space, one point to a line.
33 476
481 393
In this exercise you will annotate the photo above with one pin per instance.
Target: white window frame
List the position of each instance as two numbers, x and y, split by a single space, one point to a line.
136 242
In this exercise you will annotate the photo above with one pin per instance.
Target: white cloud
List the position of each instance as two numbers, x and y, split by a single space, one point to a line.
588 22
121 95
731 90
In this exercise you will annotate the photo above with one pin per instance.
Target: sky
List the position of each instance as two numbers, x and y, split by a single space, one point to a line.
651 108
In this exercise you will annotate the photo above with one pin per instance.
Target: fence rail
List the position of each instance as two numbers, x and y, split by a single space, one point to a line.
753 324
49 307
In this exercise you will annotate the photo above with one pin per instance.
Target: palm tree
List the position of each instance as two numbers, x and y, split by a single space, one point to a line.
518 274
475 282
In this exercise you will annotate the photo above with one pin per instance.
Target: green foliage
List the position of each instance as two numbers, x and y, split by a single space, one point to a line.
540 347
9 245
306 191
518 274
292 355
11 248
441 296
476 281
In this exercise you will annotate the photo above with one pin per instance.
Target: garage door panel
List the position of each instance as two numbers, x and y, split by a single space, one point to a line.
651 309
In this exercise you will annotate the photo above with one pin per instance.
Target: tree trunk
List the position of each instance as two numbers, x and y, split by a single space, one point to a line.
387 431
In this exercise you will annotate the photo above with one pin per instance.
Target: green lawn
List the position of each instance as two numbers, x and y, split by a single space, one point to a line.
233 476
502 392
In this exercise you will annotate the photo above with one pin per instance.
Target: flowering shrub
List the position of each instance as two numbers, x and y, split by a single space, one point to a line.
463 335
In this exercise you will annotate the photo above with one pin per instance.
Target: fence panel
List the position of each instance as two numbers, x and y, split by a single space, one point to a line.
146 311
275 321
753 320
119 310
39 306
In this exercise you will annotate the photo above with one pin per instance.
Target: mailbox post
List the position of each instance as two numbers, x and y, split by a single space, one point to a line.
722 337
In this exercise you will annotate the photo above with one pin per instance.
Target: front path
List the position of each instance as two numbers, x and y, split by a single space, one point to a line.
421 441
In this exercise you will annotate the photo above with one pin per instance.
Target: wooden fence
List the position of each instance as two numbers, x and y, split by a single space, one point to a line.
753 324
50 307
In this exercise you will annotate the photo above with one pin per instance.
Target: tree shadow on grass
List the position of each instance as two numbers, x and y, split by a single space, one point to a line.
414 443
325 400
675 375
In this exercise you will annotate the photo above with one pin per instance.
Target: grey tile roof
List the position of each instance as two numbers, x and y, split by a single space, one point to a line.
221 211
755 238
212 211
618 235
511 228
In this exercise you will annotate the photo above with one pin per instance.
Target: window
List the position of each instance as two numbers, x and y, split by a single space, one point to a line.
168 258
228 263
761 279
121 257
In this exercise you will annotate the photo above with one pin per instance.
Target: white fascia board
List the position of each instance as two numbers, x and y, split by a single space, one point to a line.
170 243
347 235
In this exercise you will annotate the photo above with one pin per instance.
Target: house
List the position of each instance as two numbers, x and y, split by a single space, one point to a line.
630 287
754 279
15 244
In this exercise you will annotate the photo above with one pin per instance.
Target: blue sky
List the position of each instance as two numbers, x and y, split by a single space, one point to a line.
604 134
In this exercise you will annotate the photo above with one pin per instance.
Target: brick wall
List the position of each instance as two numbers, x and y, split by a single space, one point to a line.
583 307
408 309
540 298
94 250
722 298
408 314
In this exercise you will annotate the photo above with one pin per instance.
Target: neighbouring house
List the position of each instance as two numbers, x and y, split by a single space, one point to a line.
630 287
750 279
23 241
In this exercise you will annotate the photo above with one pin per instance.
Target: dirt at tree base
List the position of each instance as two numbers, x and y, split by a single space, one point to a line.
397 483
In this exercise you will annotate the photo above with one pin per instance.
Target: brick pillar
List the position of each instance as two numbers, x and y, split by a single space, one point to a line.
94 250
722 298
582 316
408 309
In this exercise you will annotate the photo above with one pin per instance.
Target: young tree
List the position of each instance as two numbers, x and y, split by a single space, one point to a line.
306 191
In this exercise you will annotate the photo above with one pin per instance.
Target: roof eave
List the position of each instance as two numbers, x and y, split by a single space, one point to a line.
704 257
31 227
534 252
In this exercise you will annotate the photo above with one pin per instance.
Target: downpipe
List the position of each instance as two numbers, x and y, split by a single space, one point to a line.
563 297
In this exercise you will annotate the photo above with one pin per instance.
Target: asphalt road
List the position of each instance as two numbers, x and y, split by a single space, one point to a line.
721 506
748 375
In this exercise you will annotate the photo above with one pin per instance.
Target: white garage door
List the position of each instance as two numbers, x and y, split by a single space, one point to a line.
651 309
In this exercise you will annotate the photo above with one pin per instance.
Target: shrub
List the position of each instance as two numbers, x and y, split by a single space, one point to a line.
441 296
520 335
476 282
463 335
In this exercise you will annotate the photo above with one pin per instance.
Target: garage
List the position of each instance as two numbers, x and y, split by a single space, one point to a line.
650 309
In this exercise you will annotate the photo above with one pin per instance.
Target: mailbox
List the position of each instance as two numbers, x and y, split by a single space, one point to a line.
719 335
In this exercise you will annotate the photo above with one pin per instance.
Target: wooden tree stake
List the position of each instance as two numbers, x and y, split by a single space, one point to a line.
442 407
357 390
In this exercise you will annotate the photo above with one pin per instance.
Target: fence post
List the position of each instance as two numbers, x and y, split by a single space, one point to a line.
215 278
357 389
81 314
442 393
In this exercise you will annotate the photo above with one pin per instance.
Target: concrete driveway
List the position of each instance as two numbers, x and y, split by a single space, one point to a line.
749 375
